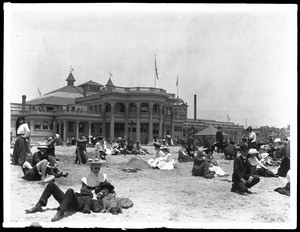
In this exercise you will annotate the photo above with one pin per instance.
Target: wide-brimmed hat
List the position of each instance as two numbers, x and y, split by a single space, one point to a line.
156 144
42 146
165 148
249 128
82 140
115 145
252 151
106 185
93 162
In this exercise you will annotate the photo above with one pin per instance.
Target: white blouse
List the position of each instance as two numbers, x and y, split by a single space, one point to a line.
23 129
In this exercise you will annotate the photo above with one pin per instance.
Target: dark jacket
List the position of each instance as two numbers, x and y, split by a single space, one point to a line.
219 136
241 169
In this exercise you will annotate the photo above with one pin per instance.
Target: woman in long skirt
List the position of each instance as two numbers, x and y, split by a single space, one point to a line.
21 147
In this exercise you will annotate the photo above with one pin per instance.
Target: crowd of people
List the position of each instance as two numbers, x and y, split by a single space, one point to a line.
97 194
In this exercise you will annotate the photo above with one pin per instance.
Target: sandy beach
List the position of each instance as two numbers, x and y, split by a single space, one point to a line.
162 198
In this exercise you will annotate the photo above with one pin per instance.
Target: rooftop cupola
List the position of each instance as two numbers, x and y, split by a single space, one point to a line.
70 79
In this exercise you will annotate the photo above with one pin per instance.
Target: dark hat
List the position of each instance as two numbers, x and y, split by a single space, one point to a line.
165 148
249 128
106 185
219 127
243 147
156 144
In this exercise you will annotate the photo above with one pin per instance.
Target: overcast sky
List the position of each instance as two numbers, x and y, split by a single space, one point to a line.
240 60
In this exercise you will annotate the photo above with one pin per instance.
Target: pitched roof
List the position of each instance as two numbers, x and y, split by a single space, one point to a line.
90 83
52 100
209 131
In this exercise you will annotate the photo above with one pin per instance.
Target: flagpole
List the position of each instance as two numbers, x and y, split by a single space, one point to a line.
155 71
177 87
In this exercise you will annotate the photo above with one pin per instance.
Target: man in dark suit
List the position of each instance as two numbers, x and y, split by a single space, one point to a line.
243 178
219 138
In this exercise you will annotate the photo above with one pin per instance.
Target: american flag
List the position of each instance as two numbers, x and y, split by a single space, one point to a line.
156 73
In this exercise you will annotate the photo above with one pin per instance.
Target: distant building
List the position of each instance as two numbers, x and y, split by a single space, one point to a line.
93 109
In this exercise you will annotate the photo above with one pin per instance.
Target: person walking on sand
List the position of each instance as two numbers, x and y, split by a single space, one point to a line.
243 178
71 201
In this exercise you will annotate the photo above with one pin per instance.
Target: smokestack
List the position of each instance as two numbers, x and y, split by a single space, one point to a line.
195 107
23 103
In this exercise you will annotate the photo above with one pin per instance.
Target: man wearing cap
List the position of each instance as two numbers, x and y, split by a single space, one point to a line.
74 201
219 138
243 178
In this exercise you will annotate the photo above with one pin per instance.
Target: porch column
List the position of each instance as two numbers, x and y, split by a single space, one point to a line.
103 119
54 127
172 123
160 121
150 137
77 129
90 126
65 131
59 128
138 124
126 119
112 120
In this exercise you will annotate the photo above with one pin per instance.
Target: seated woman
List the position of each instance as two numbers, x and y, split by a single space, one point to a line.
214 165
258 168
165 162
183 155
157 154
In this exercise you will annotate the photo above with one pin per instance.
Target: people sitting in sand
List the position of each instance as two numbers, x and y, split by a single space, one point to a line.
164 162
81 151
99 148
52 168
138 150
230 151
243 177
128 150
214 165
71 201
183 155
157 154
115 149
36 172
201 165
258 168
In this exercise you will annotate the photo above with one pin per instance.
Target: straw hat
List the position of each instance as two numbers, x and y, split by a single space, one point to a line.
95 162
42 146
252 151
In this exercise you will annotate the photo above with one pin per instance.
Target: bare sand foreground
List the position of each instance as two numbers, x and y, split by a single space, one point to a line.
162 198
